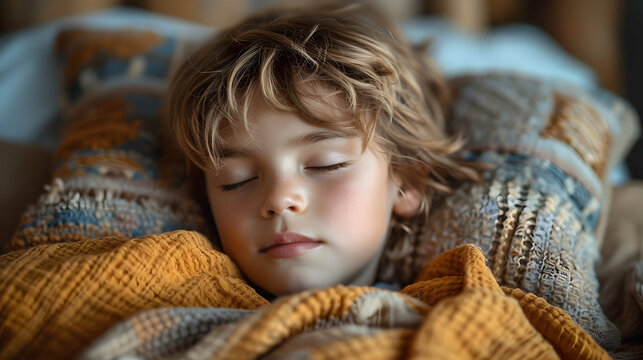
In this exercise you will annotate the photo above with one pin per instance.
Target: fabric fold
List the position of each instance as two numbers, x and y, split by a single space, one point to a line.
173 295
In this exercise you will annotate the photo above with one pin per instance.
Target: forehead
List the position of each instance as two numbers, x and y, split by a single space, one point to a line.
270 125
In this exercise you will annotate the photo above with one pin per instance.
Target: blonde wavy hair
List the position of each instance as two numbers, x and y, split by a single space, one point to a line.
392 93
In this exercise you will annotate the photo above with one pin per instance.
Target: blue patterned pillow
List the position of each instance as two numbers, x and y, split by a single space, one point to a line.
116 172
536 213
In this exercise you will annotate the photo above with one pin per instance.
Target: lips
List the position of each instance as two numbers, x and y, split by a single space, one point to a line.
289 244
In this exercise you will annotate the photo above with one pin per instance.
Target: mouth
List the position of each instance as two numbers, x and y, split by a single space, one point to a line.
289 244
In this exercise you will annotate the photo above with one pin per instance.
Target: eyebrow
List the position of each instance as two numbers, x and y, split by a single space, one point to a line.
310 138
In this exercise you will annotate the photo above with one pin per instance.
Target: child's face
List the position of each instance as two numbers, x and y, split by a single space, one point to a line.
297 209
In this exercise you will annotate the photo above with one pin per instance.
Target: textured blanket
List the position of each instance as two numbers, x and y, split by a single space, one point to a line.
184 299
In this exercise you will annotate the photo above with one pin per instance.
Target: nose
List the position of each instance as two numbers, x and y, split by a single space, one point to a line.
283 196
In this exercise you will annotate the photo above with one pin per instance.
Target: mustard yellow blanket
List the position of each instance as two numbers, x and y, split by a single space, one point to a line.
182 298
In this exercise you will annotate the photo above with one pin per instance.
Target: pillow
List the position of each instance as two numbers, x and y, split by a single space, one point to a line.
31 93
116 173
536 213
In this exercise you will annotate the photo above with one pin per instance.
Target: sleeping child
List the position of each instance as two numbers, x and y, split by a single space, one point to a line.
320 136
315 130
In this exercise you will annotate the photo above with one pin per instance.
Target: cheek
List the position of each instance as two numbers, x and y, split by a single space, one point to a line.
359 203
231 223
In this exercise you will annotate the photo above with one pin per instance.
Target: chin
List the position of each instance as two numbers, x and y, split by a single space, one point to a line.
292 286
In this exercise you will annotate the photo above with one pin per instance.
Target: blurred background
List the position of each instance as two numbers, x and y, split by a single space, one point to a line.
604 35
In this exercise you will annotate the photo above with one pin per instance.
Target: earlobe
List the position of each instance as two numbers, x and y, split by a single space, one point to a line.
407 202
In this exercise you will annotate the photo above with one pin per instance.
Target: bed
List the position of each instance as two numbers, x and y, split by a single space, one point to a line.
559 199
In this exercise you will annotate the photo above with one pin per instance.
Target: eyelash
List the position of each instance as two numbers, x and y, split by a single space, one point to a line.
327 169
314 170
236 185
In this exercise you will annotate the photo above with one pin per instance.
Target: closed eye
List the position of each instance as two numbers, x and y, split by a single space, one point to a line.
311 169
235 186
327 169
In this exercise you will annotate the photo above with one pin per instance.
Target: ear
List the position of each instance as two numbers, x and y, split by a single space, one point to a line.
407 202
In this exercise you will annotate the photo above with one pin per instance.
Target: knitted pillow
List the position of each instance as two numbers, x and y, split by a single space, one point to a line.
535 215
115 173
